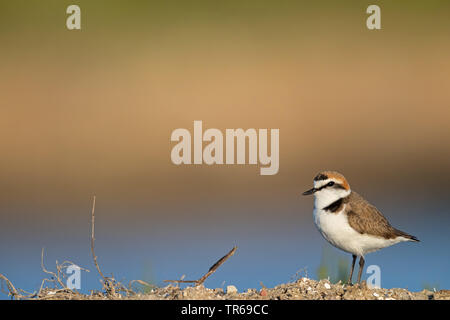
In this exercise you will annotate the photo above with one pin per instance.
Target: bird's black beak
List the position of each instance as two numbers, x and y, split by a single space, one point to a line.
310 191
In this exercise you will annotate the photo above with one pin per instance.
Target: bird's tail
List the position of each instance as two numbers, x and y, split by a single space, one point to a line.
406 236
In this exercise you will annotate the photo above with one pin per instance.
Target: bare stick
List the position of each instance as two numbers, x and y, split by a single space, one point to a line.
57 278
211 270
53 274
217 265
107 283
12 290
93 241
182 281
141 282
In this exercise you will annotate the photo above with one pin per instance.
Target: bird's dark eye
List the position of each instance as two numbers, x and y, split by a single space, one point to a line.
330 184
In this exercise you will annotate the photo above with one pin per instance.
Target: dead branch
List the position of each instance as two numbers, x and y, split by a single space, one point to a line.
211 270
11 289
109 284
141 282
55 277
93 240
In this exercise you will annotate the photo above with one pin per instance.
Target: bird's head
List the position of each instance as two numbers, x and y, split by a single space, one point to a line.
329 186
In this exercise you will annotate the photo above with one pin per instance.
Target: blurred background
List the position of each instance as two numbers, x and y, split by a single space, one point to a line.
90 112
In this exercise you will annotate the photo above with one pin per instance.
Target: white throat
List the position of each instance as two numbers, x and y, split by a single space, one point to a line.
327 196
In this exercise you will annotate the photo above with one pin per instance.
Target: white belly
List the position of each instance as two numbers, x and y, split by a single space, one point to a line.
335 228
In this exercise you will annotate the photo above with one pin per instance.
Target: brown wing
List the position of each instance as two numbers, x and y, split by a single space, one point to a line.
365 218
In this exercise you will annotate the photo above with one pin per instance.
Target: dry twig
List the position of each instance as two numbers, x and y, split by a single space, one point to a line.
110 284
141 282
57 278
11 289
93 240
211 270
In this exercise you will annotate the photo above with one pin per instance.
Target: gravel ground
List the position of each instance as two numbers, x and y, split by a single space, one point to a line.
300 290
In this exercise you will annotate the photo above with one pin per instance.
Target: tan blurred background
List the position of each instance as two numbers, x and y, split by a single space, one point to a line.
91 111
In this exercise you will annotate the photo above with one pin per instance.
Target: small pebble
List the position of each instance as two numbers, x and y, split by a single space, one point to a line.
231 289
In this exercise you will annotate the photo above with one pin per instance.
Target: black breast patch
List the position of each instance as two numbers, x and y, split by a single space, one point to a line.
335 206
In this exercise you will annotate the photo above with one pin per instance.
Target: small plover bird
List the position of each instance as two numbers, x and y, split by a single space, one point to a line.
348 221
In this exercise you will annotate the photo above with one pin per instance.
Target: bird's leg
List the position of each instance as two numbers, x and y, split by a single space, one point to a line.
361 267
351 270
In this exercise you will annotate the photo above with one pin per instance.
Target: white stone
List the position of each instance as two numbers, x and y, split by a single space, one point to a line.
231 289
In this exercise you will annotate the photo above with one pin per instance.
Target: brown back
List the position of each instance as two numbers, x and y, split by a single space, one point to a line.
366 219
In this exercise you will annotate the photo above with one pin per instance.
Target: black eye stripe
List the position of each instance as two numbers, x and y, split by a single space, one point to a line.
335 185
